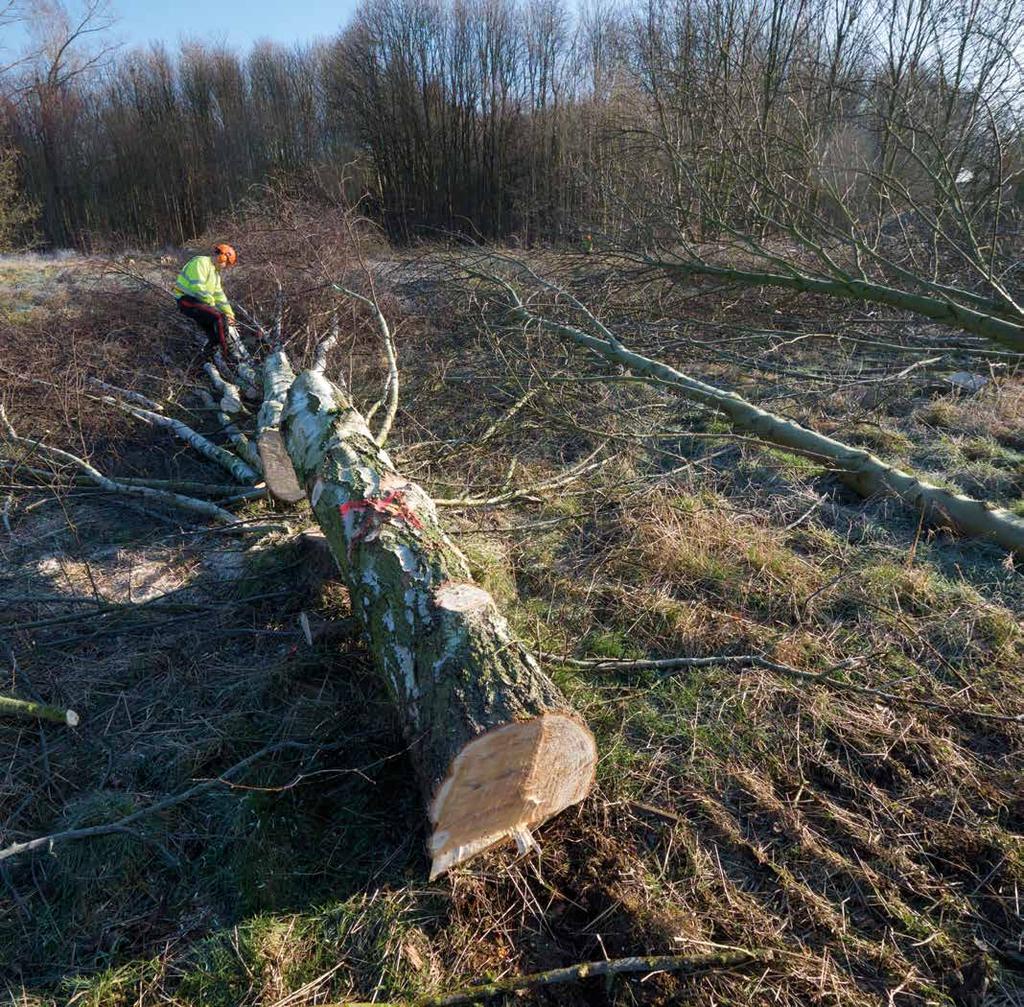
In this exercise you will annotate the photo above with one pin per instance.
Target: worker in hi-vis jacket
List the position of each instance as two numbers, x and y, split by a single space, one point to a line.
200 295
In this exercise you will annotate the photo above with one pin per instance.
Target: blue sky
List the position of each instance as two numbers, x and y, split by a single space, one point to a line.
239 23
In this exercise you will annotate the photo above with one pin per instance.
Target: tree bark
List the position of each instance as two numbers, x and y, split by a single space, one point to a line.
495 745
277 469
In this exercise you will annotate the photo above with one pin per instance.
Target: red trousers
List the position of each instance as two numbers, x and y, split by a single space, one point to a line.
213 322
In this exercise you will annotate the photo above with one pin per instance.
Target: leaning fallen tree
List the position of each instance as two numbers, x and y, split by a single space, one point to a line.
861 470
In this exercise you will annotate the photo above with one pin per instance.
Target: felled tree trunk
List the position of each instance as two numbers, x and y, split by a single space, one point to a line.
495 745
277 379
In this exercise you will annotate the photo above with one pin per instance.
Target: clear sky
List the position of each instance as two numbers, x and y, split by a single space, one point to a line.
239 23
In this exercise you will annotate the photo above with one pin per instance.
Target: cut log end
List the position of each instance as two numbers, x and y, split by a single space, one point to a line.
462 597
277 467
507 781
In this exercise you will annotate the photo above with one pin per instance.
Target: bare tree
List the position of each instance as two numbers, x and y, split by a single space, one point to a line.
887 173
70 47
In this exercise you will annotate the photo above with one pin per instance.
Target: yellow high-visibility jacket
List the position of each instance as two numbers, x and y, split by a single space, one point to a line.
199 279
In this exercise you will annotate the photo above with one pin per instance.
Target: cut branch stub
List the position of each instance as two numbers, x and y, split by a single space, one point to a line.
495 745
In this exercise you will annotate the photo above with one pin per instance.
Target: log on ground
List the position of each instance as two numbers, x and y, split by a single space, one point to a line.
495 745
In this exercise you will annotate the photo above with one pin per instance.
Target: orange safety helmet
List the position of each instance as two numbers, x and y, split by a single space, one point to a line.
224 255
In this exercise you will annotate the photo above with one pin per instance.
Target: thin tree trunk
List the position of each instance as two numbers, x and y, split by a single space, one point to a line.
861 470
949 312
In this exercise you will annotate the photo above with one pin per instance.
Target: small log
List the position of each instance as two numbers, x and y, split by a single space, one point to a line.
495 745
11 707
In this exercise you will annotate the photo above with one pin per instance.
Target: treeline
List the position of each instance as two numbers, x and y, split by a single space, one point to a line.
149 148
533 120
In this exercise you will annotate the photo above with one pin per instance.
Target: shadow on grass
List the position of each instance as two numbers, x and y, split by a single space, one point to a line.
174 692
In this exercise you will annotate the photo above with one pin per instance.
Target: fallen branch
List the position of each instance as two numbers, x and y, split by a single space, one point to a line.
48 842
230 396
186 486
243 446
123 393
11 707
113 486
241 471
390 397
648 965
530 493
941 308
859 469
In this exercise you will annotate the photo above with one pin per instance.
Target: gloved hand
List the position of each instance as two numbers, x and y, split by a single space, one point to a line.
233 330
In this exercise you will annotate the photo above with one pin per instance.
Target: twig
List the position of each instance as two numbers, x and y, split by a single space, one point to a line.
513 496
102 830
585 970
508 415
391 384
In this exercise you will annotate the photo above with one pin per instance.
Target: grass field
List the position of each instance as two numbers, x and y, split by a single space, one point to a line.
874 846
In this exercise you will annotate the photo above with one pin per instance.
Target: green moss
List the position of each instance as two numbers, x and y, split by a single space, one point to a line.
980 449
939 413
279 954
999 628
609 643
793 463
879 439
115 987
